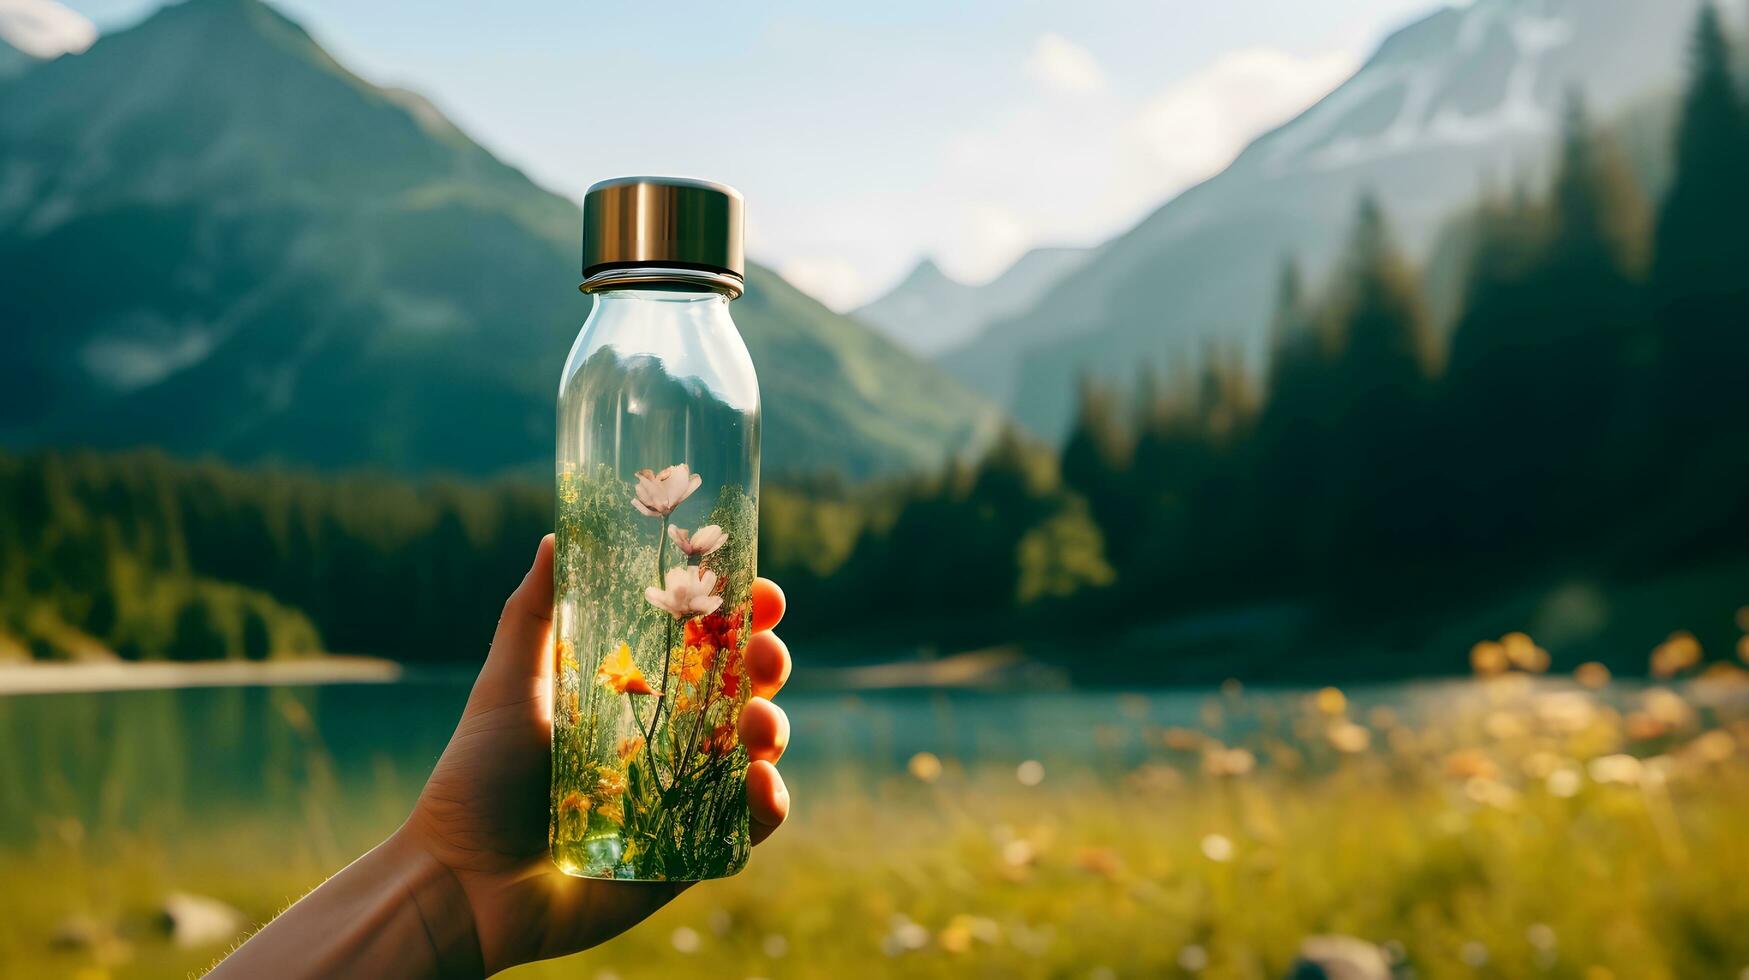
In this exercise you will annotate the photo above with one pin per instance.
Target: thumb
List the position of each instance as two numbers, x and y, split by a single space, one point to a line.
519 666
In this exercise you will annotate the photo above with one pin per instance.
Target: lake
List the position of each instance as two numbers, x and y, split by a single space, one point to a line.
178 759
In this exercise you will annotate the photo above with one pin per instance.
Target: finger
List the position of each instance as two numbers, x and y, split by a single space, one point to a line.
764 730
767 799
767 664
768 604
517 666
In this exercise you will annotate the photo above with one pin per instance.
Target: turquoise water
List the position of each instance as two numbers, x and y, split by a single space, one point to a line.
173 761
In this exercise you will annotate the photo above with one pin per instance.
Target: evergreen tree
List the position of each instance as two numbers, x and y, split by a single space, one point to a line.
1290 450
1700 286
1097 463
1384 457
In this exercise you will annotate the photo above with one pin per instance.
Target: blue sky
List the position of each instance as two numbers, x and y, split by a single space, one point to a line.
868 135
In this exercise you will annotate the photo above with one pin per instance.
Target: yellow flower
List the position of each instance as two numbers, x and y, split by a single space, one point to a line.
629 747
613 811
694 663
574 802
622 675
1488 658
567 655
611 784
1331 701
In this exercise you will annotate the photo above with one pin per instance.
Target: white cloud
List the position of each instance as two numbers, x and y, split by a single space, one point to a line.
1064 66
833 281
44 28
1194 128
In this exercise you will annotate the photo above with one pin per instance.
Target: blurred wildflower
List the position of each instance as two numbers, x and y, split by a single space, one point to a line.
1101 861
720 921
1680 652
1592 674
1669 707
1349 738
1222 761
1019 852
1565 782
1618 768
1382 717
1152 777
1490 792
1565 712
619 673
1642 726
1504 726
1182 739
1030 773
1473 954
1331 702
775 945
925 766
1717 745
903 936
1193 959
1488 658
1538 765
659 493
1217 848
1470 764
1523 653
685 940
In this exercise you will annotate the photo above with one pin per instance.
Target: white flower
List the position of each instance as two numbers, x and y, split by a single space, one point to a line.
688 593
700 542
660 493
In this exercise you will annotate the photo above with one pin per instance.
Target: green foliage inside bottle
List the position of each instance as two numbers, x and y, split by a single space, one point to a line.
651 623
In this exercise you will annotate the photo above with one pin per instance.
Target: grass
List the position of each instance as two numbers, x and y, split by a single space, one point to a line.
1522 828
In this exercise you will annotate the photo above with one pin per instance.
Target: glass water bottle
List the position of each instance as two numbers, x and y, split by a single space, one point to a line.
658 488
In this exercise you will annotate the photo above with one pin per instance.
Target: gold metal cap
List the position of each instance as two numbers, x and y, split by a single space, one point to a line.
651 223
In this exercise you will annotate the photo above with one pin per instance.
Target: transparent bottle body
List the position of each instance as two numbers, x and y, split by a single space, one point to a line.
658 484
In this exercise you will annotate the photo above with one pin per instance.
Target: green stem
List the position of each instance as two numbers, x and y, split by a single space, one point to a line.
710 691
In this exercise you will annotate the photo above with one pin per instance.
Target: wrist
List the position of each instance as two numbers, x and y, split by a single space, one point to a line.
436 895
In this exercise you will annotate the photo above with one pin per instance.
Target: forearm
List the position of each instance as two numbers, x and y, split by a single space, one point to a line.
393 913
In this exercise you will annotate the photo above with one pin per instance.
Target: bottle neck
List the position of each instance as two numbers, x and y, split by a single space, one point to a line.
662 279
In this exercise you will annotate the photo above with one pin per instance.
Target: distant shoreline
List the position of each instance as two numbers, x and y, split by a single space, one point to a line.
117 675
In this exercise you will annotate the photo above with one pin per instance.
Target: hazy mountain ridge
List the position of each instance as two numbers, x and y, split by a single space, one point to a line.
1446 103
227 242
929 312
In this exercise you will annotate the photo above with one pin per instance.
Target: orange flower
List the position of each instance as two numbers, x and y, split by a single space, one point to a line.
722 739
612 783
573 803
622 675
630 747
730 683
567 655
694 663
718 630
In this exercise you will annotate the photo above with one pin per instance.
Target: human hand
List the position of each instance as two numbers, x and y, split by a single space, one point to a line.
483 813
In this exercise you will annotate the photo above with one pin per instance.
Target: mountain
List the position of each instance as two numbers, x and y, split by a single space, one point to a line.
220 240
929 312
1462 96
